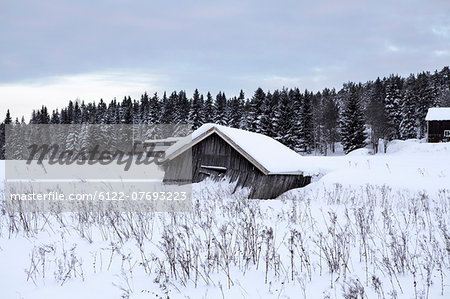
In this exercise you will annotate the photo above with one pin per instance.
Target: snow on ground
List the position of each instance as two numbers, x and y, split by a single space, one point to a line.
374 226
410 165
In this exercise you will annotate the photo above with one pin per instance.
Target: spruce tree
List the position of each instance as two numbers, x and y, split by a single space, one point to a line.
330 117
76 118
427 96
267 117
254 111
70 113
220 106
92 113
376 114
55 118
208 109
8 118
112 113
196 112
352 127
126 111
2 141
394 95
296 97
235 106
182 108
12 139
284 120
154 113
168 110
101 116
408 110
177 115
144 108
444 87
306 137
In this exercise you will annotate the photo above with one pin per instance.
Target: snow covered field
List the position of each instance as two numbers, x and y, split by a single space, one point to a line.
407 165
369 226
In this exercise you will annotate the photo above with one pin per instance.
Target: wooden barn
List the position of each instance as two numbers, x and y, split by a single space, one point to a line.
252 160
438 124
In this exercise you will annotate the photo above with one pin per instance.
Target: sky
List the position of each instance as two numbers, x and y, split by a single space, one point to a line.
54 51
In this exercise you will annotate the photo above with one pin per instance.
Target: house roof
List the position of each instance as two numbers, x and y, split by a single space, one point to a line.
267 154
438 114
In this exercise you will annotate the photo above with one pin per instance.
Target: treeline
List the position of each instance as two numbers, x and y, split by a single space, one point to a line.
357 114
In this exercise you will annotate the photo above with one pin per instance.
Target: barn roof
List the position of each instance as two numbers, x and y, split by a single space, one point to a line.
169 139
438 114
267 154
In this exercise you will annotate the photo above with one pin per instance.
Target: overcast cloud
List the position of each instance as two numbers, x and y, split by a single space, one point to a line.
54 51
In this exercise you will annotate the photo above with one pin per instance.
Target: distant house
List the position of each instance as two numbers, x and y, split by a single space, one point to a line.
438 124
252 160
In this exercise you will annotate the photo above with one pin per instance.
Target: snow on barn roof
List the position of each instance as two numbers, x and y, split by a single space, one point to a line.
267 154
438 114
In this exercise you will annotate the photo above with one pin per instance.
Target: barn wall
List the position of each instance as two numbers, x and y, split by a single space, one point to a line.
179 171
214 151
436 130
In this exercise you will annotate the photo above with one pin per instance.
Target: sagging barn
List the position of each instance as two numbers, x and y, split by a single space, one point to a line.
252 160
438 124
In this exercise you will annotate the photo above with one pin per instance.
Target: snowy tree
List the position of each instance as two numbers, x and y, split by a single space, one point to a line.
394 95
100 117
8 118
267 117
44 117
235 108
55 118
154 113
168 110
7 121
441 90
125 111
443 83
84 137
427 96
13 139
284 120
352 120
330 116
196 112
112 115
306 134
177 115
254 111
208 109
144 108
319 143
408 110
72 137
376 114
220 106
